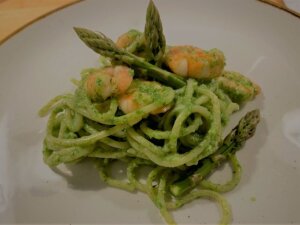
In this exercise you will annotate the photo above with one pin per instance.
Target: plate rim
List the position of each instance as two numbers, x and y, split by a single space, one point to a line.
46 14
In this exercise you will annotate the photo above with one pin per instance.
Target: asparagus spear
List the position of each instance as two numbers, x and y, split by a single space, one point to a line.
232 143
106 47
154 38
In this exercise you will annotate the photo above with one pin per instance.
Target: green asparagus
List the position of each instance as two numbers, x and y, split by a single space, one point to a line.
232 143
154 38
101 44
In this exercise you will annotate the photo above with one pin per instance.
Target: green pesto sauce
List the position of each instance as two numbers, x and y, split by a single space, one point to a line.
239 88
236 95
81 99
133 33
99 82
239 78
150 92
85 72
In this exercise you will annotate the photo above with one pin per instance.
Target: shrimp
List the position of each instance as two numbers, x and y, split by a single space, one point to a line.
132 41
110 81
239 88
190 61
142 93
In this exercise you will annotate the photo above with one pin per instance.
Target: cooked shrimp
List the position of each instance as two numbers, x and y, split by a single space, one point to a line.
128 103
239 88
190 61
131 40
142 93
110 81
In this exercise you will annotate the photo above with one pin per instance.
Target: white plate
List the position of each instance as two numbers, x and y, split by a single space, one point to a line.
36 64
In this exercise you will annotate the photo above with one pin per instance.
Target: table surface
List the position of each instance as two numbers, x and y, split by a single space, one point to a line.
17 14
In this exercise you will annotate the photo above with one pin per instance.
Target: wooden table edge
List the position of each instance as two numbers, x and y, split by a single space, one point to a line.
18 29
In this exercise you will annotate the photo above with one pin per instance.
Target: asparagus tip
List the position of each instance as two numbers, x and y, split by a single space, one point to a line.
77 30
